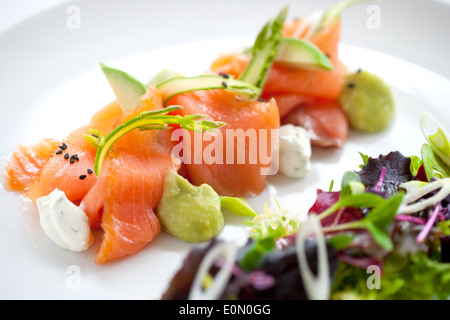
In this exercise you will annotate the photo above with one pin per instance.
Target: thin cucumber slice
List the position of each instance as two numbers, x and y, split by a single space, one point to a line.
163 76
303 54
178 85
126 88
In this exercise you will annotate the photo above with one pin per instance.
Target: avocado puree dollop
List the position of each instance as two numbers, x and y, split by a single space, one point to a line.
367 101
188 212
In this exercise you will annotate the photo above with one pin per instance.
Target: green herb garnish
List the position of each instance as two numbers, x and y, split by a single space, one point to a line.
341 240
376 222
94 138
433 165
365 159
361 200
444 226
436 136
266 228
351 184
406 276
152 120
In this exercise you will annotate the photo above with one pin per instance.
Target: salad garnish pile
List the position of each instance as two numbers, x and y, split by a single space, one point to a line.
386 234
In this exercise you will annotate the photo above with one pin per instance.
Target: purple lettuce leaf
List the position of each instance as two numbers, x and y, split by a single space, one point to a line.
397 172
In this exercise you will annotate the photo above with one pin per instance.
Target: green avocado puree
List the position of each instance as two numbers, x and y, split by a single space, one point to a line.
188 212
367 101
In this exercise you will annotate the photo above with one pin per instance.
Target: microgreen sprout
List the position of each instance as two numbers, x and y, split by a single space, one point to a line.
152 120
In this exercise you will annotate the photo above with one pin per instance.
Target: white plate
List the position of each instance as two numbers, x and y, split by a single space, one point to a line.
51 83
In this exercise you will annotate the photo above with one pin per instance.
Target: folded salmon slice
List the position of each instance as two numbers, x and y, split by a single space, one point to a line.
132 190
294 88
43 167
123 199
319 119
26 163
237 166
316 84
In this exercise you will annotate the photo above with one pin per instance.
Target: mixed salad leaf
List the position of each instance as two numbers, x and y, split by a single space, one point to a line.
397 171
388 217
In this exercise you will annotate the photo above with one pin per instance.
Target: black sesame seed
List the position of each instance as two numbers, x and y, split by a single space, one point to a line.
59 152
328 55
73 158
94 135
82 177
89 171
224 84
351 85
66 156
358 71
63 147
224 75
261 100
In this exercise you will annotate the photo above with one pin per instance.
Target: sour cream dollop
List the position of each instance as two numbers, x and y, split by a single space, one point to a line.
294 151
63 222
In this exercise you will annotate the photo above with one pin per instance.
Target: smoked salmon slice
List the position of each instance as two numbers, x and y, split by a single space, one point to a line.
223 169
293 87
66 170
285 80
130 186
26 163
49 164
319 119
